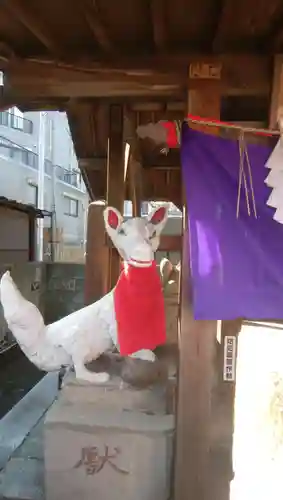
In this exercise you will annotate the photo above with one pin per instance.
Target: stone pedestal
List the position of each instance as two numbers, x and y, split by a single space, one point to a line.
108 442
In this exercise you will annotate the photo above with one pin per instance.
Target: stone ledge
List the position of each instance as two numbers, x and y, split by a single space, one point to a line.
23 480
17 424
86 418
117 395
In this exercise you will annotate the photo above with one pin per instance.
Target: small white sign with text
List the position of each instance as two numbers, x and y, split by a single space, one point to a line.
229 366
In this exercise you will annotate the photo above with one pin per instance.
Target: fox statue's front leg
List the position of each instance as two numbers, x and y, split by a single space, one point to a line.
82 373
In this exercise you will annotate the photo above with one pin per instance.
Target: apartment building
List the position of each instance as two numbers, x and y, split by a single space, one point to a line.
65 196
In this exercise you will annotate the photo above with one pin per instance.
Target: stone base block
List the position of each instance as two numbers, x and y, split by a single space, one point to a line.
107 451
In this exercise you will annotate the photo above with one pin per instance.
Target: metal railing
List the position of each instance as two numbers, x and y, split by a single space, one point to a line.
12 120
14 151
11 150
72 177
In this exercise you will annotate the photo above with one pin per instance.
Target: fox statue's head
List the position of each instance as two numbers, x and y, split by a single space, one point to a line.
136 239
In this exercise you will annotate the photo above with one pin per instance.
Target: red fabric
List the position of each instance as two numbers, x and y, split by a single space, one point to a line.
139 309
172 138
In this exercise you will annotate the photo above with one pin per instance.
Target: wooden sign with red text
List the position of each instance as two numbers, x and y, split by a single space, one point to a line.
205 71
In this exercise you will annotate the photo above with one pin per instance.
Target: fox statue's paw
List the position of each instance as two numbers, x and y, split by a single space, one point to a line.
93 378
143 373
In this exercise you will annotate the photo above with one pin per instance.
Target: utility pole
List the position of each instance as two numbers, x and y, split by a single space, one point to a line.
54 244
41 178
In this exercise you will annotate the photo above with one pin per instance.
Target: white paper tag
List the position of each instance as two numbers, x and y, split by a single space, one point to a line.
278 216
273 199
274 178
275 161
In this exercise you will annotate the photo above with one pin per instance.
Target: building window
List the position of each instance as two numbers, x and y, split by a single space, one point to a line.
144 208
15 119
72 207
33 195
5 147
128 208
5 118
29 158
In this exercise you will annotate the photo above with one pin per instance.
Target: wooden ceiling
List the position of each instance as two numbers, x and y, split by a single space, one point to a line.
80 56
139 27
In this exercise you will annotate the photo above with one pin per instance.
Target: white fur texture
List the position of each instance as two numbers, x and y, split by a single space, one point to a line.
83 335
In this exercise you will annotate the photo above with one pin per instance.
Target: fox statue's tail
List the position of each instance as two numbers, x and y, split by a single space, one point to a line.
23 318
27 325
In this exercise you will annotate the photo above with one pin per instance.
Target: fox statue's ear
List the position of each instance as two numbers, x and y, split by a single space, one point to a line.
112 219
158 217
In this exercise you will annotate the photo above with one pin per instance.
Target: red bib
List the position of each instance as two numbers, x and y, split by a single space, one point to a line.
139 309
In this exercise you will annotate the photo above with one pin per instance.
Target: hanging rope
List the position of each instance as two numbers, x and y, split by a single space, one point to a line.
250 180
242 176
218 123
244 159
243 156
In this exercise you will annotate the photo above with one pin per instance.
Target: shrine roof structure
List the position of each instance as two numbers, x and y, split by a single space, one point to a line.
80 56
130 47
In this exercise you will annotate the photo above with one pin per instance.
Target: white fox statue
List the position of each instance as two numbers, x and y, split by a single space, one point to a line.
87 333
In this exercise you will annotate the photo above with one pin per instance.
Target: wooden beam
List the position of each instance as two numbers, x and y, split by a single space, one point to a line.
94 164
157 8
273 39
139 64
97 87
197 344
155 75
92 16
214 32
216 36
99 164
22 12
276 104
115 180
162 106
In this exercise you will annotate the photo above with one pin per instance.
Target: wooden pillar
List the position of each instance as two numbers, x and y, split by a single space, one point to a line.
135 182
115 180
197 346
97 255
133 163
32 238
276 105
222 416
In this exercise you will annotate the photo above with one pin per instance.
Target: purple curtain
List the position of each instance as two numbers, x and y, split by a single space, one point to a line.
236 264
